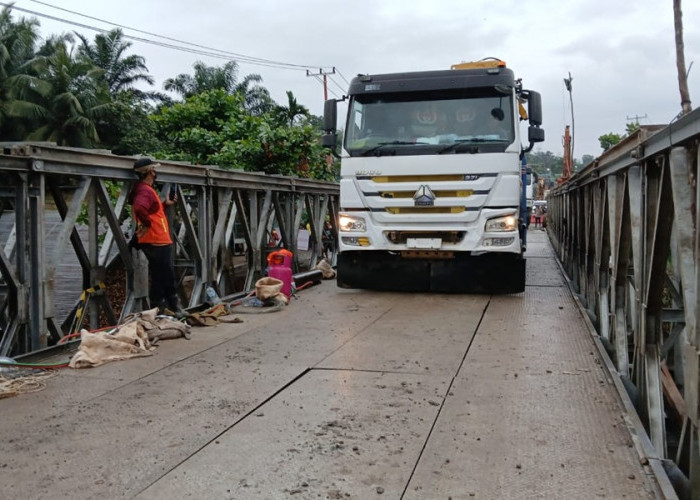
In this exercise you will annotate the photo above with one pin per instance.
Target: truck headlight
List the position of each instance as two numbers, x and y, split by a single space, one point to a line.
501 224
351 223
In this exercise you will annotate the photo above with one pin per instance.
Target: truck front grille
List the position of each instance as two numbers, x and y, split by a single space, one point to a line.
400 237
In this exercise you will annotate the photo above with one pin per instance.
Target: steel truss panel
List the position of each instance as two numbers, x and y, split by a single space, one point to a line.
626 230
88 190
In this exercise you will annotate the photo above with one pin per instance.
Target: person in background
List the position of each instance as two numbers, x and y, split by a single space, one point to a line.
153 234
274 238
544 218
328 240
538 216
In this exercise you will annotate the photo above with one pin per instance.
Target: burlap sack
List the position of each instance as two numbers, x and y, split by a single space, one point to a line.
326 270
266 288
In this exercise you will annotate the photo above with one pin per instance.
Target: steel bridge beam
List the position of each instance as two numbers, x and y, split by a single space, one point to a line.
625 229
88 194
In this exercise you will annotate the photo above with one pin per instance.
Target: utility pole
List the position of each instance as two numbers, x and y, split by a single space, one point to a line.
324 74
568 84
636 118
566 171
680 58
329 158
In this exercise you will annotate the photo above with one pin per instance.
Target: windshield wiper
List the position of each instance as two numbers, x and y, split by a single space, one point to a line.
382 145
457 145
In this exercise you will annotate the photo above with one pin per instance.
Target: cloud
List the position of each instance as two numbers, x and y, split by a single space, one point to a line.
620 54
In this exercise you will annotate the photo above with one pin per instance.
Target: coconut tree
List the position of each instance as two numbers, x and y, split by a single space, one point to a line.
17 41
256 97
292 110
124 129
121 71
61 96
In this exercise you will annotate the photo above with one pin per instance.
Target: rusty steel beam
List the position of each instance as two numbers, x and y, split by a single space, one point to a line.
626 231
215 209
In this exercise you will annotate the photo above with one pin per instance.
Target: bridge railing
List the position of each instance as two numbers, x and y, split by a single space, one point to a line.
65 204
625 229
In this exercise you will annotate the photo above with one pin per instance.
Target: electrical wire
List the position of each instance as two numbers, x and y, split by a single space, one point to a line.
225 52
198 49
215 53
336 84
341 76
329 90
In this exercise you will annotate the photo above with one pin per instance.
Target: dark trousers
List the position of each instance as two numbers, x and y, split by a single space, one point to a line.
160 268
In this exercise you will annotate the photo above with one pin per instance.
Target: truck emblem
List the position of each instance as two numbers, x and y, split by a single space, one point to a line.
424 197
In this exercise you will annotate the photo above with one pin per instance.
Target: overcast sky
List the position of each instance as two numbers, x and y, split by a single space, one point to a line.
621 54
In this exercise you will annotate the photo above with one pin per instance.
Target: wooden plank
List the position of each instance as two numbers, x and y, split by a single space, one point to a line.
672 394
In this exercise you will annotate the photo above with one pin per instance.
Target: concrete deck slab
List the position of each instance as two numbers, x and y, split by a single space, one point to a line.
424 386
333 434
533 413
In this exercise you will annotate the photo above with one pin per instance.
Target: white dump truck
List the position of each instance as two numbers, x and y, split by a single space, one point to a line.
431 182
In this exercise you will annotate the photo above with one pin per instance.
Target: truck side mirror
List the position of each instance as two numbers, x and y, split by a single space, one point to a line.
535 134
330 112
329 139
534 107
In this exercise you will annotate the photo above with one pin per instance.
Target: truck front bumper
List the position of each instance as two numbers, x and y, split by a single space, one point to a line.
380 270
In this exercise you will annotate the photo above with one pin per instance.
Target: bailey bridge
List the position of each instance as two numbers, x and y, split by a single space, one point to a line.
583 386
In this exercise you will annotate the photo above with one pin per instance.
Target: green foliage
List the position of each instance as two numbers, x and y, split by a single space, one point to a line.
631 127
120 72
113 189
256 98
214 128
586 159
545 163
128 130
17 41
84 94
60 97
609 140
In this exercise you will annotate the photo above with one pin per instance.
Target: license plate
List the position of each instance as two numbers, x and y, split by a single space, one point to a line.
424 243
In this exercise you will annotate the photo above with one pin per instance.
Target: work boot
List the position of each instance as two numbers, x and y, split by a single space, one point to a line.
174 306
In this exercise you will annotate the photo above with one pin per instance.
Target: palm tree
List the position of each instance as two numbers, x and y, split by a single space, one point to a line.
121 72
256 97
125 125
293 110
17 40
61 96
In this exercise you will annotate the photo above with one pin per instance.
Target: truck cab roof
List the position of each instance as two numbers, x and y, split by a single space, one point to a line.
431 80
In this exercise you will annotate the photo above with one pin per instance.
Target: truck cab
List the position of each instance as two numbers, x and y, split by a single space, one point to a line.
431 185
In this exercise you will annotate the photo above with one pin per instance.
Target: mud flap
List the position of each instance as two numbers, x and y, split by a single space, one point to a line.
493 273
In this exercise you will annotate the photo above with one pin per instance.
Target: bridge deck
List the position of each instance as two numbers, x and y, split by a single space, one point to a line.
344 394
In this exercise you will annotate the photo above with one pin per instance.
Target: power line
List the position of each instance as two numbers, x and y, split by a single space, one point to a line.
249 58
324 74
341 76
636 118
336 83
200 49
203 51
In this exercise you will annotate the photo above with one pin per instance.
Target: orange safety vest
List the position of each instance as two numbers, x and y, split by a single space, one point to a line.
147 206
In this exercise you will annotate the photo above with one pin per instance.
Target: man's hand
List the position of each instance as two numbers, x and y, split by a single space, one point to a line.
170 202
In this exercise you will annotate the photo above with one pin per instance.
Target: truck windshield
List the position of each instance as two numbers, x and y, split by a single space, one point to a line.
430 122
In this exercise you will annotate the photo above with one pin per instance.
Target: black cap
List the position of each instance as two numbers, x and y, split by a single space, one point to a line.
143 165
143 162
